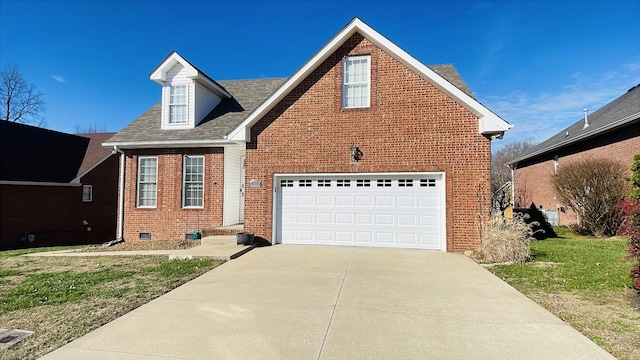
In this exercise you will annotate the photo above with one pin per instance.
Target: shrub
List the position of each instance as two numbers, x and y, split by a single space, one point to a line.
505 240
593 189
631 224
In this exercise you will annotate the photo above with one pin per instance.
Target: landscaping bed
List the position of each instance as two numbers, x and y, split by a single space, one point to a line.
63 298
584 281
138 245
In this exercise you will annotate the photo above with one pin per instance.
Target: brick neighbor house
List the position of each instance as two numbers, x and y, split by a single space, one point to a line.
362 146
612 132
55 188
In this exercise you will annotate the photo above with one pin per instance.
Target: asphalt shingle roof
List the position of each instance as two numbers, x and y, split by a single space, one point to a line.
247 95
620 112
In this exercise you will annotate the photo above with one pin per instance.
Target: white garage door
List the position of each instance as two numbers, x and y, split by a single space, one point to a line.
388 210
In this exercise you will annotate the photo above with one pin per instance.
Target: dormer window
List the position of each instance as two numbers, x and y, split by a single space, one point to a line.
178 104
188 94
356 81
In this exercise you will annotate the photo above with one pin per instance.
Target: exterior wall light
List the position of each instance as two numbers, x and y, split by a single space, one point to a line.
356 154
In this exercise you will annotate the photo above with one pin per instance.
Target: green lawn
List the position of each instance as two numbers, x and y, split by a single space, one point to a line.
63 298
584 281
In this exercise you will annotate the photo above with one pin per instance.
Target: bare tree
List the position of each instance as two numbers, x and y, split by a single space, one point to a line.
501 173
91 128
593 189
21 102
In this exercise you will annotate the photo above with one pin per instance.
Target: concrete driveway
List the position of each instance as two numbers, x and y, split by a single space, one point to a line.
309 302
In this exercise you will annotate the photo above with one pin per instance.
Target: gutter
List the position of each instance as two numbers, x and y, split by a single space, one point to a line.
167 144
580 137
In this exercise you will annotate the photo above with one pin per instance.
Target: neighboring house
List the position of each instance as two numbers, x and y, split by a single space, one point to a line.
55 188
363 145
612 132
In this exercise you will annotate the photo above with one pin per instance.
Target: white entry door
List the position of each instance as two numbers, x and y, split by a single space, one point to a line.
383 210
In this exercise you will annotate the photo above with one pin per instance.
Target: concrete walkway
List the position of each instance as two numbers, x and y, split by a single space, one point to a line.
213 247
308 302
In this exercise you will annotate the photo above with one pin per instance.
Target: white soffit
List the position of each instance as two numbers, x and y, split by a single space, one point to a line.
488 121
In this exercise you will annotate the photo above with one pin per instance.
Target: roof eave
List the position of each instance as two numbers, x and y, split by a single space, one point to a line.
493 125
167 144
581 137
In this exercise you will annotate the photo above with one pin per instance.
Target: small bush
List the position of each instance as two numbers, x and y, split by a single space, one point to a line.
505 240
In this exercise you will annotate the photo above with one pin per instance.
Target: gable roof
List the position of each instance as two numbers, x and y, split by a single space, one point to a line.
145 131
95 153
34 154
159 74
488 123
621 112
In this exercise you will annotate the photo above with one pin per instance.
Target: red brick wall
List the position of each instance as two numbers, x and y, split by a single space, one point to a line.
55 214
410 127
169 220
533 178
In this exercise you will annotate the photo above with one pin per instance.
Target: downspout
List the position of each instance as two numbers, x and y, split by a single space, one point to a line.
513 187
120 230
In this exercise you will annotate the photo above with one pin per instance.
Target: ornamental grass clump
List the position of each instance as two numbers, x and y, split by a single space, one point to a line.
505 240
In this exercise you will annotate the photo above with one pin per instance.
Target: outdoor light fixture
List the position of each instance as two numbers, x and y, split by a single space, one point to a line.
356 154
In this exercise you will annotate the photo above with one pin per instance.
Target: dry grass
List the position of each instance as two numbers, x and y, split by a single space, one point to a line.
612 321
504 240
55 324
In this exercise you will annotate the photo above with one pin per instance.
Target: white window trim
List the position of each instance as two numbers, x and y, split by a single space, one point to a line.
138 189
87 190
166 106
181 104
184 181
345 85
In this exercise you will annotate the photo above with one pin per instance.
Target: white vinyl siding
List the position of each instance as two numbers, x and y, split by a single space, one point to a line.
356 81
147 181
232 184
193 181
178 104
177 77
204 102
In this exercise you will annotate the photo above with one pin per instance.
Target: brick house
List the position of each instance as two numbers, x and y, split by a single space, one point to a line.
363 145
611 132
55 188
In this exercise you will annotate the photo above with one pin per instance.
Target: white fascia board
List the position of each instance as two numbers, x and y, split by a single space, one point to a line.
167 144
159 75
242 131
488 122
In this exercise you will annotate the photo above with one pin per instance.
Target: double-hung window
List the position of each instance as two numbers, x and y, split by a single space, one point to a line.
147 181
356 81
178 104
87 193
193 181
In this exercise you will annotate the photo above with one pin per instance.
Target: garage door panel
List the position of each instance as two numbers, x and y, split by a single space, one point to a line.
324 200
384 219
324 219
385 210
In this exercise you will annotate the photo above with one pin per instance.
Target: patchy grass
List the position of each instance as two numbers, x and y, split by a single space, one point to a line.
584 281
63 298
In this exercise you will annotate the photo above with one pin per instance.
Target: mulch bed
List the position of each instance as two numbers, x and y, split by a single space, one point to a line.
136 245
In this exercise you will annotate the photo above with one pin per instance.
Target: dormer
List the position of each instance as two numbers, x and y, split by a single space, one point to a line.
188 94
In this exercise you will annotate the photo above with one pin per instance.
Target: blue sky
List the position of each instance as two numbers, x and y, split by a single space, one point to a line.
537 64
